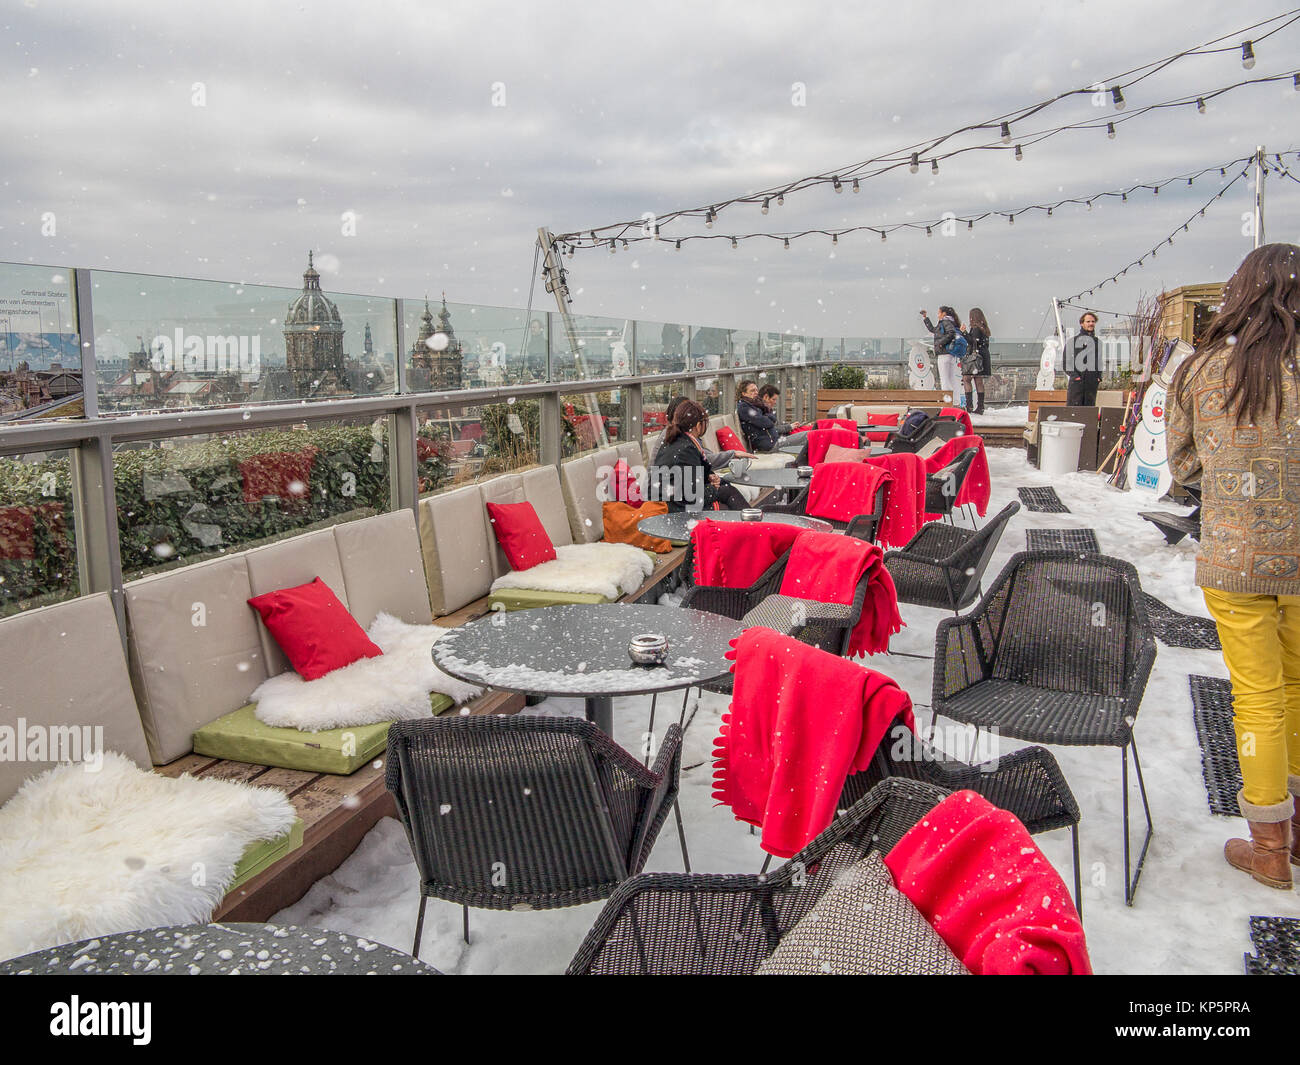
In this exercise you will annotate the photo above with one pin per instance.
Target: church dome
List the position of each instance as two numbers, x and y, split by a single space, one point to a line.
312 311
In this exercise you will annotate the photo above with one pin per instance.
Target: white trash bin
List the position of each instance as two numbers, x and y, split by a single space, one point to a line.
1058 447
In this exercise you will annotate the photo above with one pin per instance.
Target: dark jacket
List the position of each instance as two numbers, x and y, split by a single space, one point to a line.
944 333
761 429
679 475
975 363
1083 358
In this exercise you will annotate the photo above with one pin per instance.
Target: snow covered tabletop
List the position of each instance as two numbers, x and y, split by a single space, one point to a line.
785 478
677 526
207 949
581 650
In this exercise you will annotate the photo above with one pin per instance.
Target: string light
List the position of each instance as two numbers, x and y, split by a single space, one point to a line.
970 223
916 162
934 166
780 200
1006 132
837 185
835 238
855 180
734 244
1200 104
882 236
1248 55
765 204
1117 98
1019 154
929 232
1110 130
708 220
787 243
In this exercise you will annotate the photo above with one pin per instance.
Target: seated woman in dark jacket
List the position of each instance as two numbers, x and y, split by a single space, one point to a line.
680 474
760 426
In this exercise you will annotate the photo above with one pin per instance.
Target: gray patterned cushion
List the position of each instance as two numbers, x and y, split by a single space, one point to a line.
863 926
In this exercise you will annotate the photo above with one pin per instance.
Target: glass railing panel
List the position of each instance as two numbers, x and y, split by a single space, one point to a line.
710 347
40 349
459 345
38 533
165 343
185 499
456 446
746 348
590 421
661 347
599 348
654 404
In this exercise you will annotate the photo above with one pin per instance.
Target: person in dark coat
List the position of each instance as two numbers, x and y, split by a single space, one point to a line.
975 364
680 474
761 429
1083 363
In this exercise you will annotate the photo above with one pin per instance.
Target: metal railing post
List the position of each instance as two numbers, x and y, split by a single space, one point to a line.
550 444
86 336
99 549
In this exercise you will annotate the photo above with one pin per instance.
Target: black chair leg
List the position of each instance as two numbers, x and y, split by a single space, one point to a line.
766 862
648 741
681 835
1078 883
466 921
419 927
1130 885
686 698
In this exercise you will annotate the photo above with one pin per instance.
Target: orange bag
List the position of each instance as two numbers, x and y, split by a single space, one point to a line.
621 521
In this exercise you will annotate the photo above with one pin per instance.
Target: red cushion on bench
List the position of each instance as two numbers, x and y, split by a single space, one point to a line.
521 534
313 629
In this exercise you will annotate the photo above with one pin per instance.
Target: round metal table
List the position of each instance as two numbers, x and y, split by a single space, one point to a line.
677 527
785 478
208 949
580 651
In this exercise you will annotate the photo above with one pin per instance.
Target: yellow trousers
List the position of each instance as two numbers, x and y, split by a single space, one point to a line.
1261 646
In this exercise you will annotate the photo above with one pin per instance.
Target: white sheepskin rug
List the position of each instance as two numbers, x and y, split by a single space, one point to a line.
393 687
119 849
605 569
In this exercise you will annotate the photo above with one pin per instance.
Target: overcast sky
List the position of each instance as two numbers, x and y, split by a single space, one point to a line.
385 110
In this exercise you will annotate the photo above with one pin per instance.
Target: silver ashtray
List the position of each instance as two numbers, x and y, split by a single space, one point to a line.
649 649
804 471
751 514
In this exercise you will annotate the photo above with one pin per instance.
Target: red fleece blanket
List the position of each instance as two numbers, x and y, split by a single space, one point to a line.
841 491
904 498
801 720
827 567
820 439
961 415
977 876
978 484
889 423
734 554
837 423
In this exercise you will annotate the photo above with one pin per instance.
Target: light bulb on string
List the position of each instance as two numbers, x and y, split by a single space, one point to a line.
838 186
787 243
1155 190
734 244
780 199
765 204
1011 219
1049 212
929 232
916 163
1189 182
679 245
708 220
1200 105
835 238
1117 98
1019 154
1295 81
1090 205
1006 133
613 246
1110 130
855 180
970 223
1248 55
882 236
934 166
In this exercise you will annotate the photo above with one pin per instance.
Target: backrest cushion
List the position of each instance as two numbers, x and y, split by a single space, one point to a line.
521 534
710 437
456 547
506 489
383 569
287 564
313 629
196 649
585 518
62 672
542 490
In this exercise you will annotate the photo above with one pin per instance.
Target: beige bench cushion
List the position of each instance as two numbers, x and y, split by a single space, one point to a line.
62 668
586 521
454 540
650 445
383 569
542 490
196 649
507 489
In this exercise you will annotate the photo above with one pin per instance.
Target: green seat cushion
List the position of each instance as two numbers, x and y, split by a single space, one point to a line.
263 853
529 599
241 737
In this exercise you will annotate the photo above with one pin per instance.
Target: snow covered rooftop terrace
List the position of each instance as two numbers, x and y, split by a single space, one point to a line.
1191 910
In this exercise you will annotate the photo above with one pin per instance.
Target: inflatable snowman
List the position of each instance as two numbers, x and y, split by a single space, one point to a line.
1047 364
920 374
1148 465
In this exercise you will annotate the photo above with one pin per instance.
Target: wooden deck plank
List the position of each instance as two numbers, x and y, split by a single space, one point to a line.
238 771
188 763
287 780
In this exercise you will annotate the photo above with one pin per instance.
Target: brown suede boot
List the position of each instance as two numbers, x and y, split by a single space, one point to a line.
1266 855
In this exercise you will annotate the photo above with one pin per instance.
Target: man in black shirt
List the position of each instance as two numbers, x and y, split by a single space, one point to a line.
1083 364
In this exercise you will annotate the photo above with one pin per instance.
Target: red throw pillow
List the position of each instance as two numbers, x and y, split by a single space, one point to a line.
626 488
728 440
521 534
314 630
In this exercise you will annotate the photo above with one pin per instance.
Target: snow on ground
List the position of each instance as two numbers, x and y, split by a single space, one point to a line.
1001 416
1191 909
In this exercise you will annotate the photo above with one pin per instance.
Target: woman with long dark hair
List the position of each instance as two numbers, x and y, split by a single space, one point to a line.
680 474
1234 427
975 363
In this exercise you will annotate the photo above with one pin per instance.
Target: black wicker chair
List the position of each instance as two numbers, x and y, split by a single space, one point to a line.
1058 651
512 813
944 485
943 565
669 924
861 526
942 427
1027 782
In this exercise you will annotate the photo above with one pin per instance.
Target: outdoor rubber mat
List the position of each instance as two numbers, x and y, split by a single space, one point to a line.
1062 540
1042 499
1181 630
1212 715
1277 947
